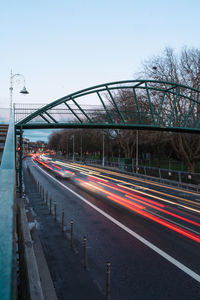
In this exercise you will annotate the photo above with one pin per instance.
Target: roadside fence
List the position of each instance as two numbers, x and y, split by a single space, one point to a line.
185 180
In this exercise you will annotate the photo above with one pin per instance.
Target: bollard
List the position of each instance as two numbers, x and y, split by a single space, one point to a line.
50 206
63 224
84 252
66 231
108 281
46 197
71 230
55 211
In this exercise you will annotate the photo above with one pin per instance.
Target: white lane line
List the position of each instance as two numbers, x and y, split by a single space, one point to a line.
178 224
131 232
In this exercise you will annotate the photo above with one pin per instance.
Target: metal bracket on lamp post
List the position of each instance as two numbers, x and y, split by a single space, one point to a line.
23 91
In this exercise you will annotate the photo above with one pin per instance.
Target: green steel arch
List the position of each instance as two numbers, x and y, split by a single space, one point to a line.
130 104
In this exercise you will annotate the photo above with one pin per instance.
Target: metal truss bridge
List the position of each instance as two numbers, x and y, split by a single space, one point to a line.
131 104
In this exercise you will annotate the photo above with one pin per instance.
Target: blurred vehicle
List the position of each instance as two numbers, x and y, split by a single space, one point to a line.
65 174
45 158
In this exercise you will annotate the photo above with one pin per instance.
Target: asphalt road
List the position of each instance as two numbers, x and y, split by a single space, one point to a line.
149 232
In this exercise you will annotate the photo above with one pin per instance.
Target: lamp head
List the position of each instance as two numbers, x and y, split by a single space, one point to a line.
24 91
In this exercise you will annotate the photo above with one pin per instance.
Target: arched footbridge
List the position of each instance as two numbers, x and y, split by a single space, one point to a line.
132 104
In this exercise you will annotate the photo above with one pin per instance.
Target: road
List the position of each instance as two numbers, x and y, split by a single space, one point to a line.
149 232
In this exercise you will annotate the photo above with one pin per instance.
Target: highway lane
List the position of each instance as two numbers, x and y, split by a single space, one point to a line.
133 207
179 210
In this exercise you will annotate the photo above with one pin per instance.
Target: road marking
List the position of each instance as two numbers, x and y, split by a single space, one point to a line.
131 232
173 222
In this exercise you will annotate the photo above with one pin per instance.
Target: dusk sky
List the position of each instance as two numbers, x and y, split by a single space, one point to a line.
64 46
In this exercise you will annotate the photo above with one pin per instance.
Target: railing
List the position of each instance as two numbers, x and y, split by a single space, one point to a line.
7 222
181 179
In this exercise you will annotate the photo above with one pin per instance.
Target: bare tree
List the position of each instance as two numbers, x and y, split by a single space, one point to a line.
184 69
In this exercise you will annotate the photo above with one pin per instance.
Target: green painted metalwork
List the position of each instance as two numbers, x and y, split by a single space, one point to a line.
174 104
7 227
85 114
43 117
104 106
50 117
160 109
115 104
111 126
137 105
150 103
171 88
189 113
156 108
73 112
198 124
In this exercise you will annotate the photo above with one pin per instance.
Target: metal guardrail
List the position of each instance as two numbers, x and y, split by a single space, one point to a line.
7 222
180 179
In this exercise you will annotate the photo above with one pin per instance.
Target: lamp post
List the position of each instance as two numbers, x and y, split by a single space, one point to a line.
103 152
23 91
81 147
73 147
136 163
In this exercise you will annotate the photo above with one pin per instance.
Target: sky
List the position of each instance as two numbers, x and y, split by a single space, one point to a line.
63 46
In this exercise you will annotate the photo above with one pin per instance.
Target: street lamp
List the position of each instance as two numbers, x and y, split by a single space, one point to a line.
73 147
81 147
23 91
136 163
103 152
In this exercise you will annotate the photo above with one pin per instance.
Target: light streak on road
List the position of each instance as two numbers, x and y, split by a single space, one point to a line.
152 196
56 166
140 210
137 198
95 181
140 180
153 247
85 168
165 211
164 200
176 228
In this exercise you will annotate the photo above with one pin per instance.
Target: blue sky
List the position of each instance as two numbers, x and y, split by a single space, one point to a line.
63 46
